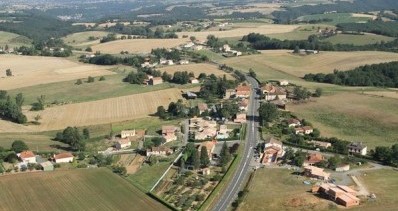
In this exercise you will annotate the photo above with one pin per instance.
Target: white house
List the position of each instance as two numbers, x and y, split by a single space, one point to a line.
122 143
283 82
182 62
127 133
27 157
65 157
357 148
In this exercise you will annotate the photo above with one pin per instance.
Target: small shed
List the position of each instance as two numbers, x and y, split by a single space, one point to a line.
47 166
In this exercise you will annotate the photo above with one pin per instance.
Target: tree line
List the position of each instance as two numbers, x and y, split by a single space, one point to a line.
10 109
380 75
75 138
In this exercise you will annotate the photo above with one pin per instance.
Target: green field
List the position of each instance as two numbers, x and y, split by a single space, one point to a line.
13 40
148 175
80 189
279 189
336 17
358 39
35 141
68 91
82 38
383 183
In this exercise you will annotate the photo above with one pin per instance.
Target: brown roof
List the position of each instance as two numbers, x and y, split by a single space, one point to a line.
123 140
293 121
208 144
202 106
156 79
63 155
314 158
241 88
244 103
26 154
168 129
268 88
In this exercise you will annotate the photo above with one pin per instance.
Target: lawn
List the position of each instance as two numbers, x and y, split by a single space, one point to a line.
354 117
13 40
35 141
278 189
383 183
148 175
80 189
358 39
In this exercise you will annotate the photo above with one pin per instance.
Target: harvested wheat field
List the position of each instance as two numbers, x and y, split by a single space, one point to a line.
324 62
241 31
137 45
34 70
79 189
104 111
388 94
196 69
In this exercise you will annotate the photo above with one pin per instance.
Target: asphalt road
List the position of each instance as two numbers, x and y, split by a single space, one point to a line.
231 191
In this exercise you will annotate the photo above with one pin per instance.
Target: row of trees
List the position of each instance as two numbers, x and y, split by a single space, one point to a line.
74 137
146 31
107 59
192 157
389 28
382 75
214 87
10 109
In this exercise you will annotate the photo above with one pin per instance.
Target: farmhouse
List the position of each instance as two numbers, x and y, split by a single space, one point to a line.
243 91
272 92
127 133
159 151
27 157
240 118
321 144
315 172
65 157
273 149
47 166
168 133
122 143
226 48
304 130
313 158
341 194
357 148
210 146
155 81
292 122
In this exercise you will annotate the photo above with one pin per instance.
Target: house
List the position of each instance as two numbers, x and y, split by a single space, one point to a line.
272 92
122 143
47 166
273 149
170 62
357 148
193 81
27 157
189 45
298 130
163 61
155 81
223 132
341 194
159 151
202 129
226 48
230 93
292 122
315 172
210 146
313 158
343 167
182 62
198 47
238 53
168 133
190 95
308 130
280 104
283 83
127 133
205 171
65 157
243 104
202 107
321 144
240 118
242 91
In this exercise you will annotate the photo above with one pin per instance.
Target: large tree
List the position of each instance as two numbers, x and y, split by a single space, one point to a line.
204 157
225 156
19 146
268 112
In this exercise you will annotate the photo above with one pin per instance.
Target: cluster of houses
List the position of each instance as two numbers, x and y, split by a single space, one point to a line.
241 92
126 137
164 62
202 129
196 46
298 128
28 157
229 52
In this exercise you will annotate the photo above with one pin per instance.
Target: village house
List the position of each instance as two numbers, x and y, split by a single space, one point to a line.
202 107
202 129
226 48
47 166
169 133
243 91
183 62
240 118
122 143
243 104
155 81
223 132
210 146
292 122
198 47
343 167
357 148
283 82
27 157
159 151
304 130
315 172
273 149
127 133
189 45
321 144
65 157
193 81
272 92
340 194
230 93
190 95
313 159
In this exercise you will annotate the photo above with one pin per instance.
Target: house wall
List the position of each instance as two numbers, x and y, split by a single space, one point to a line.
64 160
29 160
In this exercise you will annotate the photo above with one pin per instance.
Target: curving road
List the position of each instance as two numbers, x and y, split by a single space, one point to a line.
231 191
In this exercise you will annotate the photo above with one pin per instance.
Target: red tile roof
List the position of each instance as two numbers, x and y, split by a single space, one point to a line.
63 155
26 154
